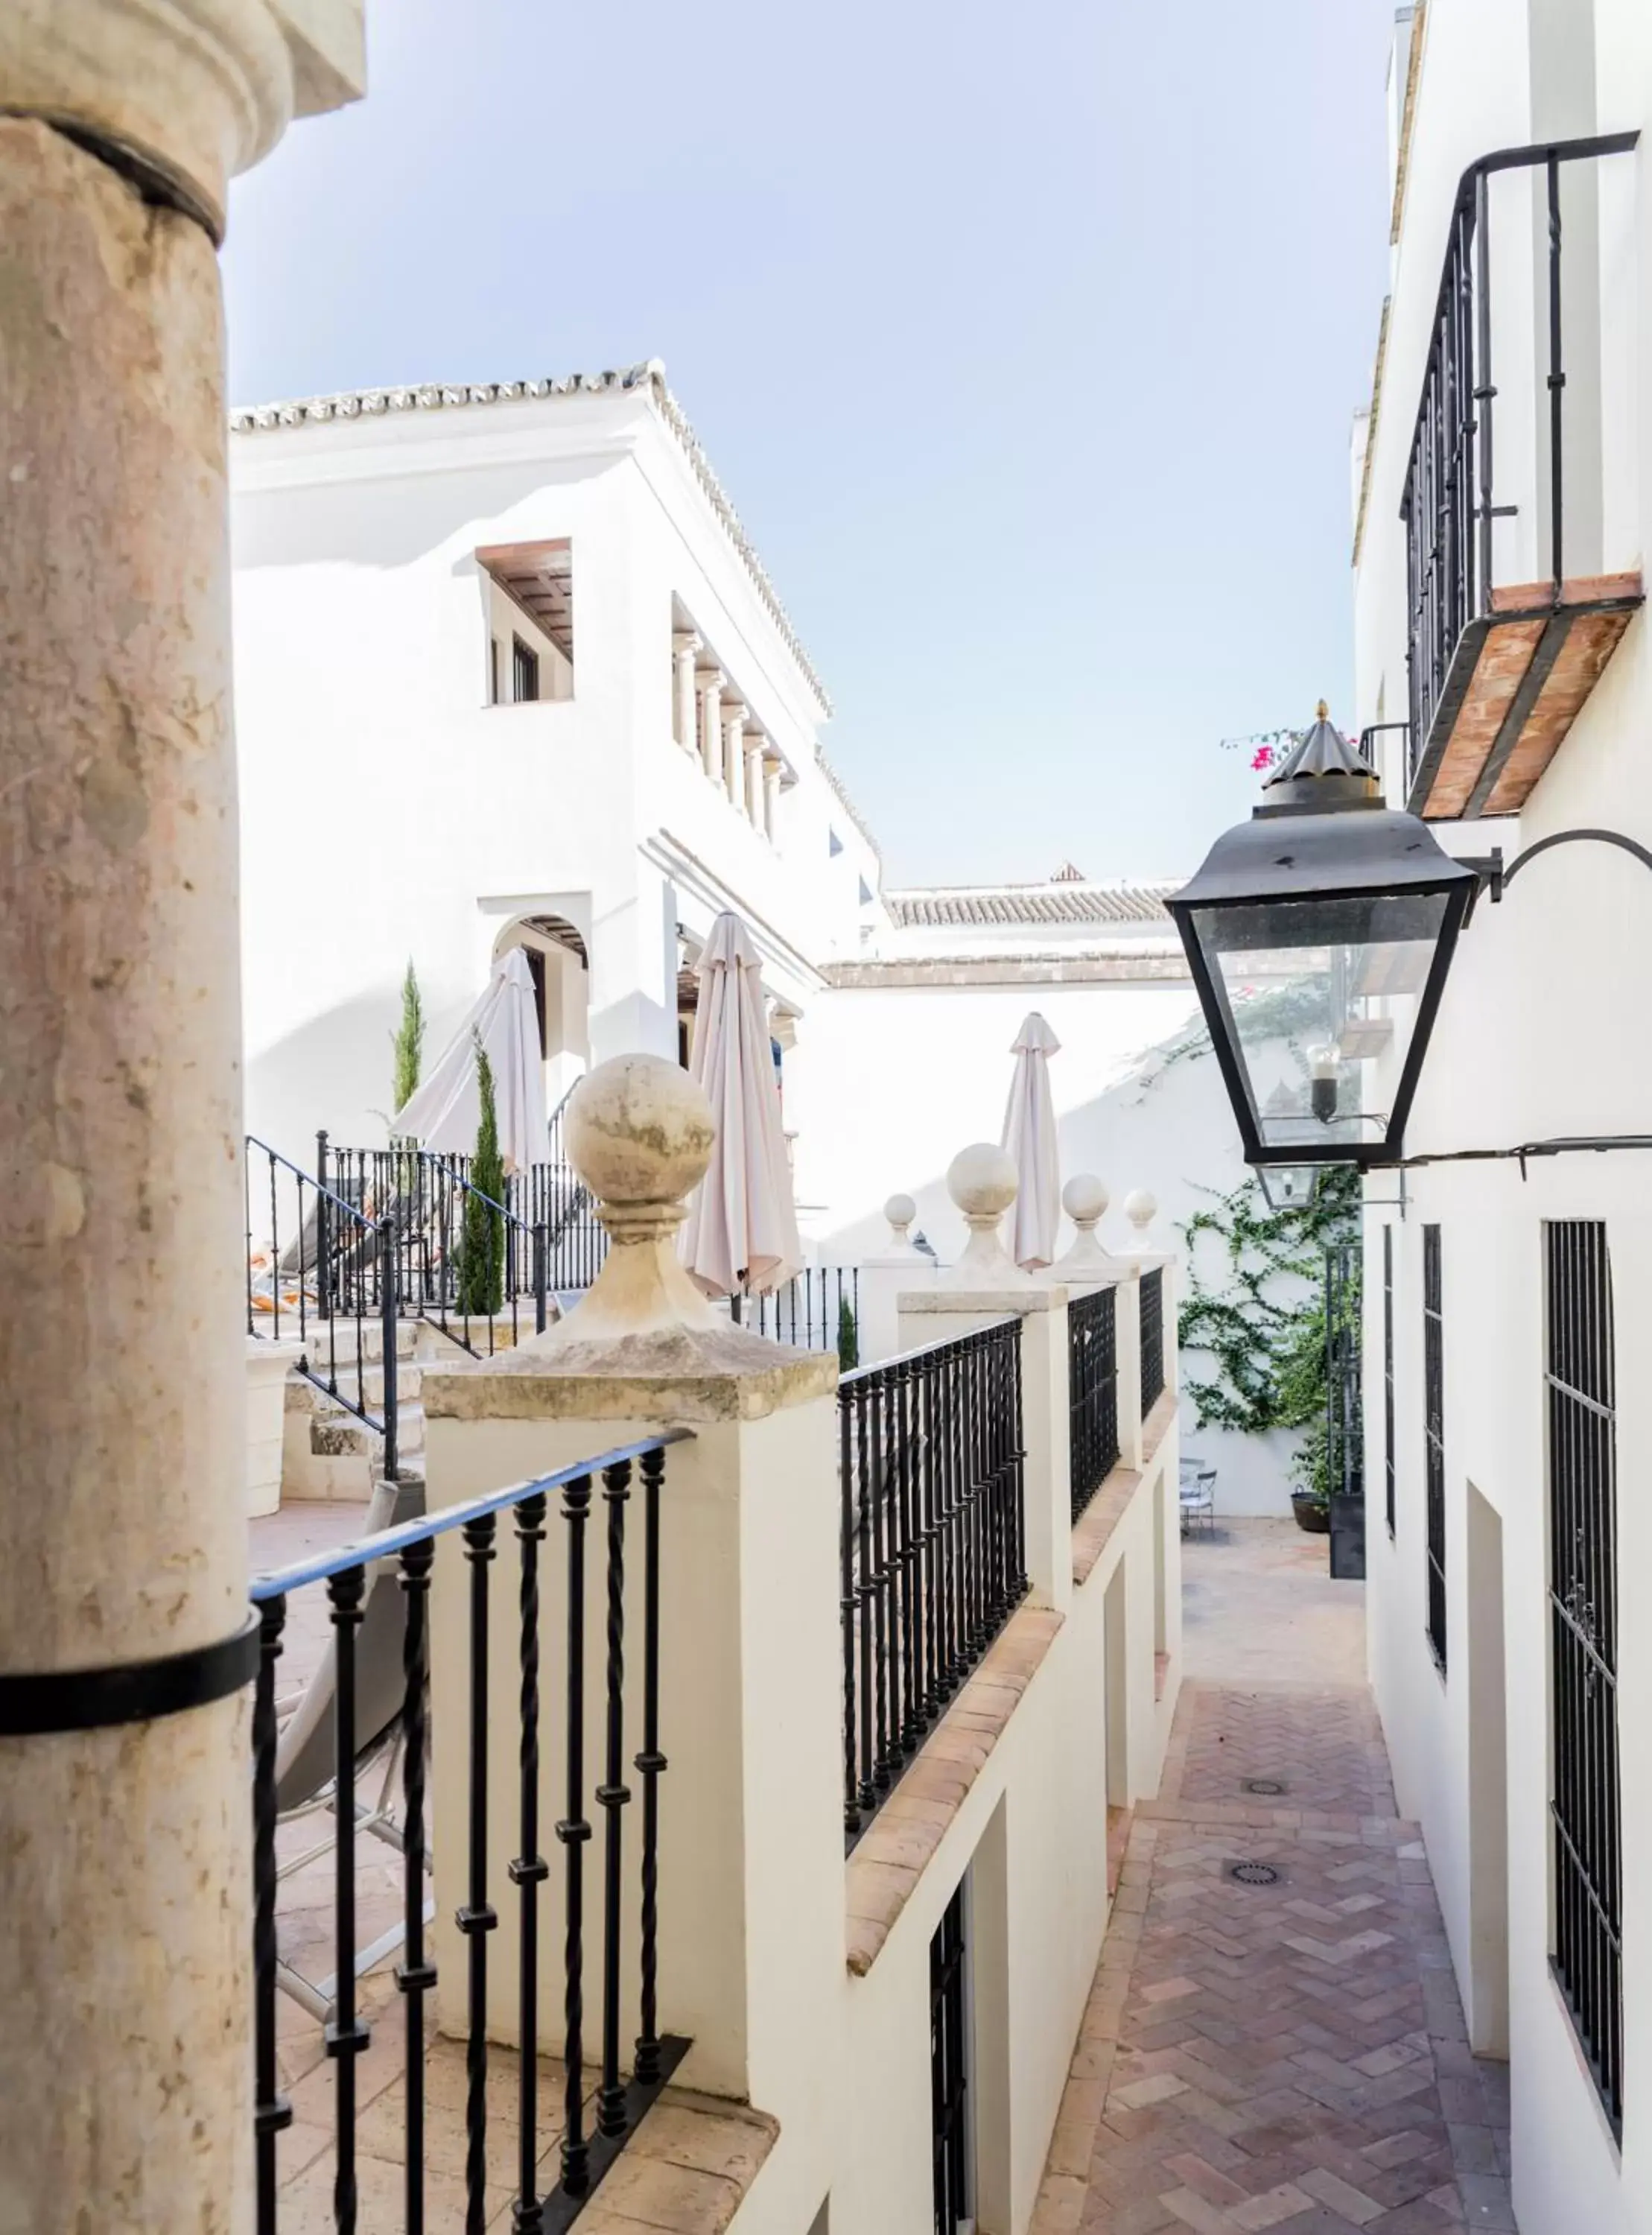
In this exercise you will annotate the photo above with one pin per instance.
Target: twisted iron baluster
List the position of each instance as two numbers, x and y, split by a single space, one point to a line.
415 1975
573 1831
649 1764
345 2036
530 1867
476 1920
613 1796
271 2110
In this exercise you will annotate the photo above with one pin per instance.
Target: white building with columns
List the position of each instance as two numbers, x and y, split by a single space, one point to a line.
508 672
1503 484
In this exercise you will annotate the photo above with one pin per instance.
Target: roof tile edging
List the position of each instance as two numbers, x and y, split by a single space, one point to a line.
435 396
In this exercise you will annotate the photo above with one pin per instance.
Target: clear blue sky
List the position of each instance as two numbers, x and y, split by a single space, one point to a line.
1024 339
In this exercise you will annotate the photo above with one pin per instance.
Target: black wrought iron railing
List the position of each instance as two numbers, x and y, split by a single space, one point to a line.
1093 1392
820 1309
585 1676
1450 500
934 1544
1152 1337
319 1268
469 1262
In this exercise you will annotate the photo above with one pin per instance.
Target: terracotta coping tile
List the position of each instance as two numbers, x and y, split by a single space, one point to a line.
897 1845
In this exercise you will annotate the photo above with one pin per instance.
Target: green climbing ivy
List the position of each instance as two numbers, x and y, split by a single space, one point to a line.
1268 1350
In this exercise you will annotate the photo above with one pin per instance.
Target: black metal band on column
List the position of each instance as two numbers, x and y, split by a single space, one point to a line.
131 1692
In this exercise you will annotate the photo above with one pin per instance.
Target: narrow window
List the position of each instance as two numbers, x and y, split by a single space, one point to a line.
1434 1430
493 671
948 2070
525 670
1582 1666
1388 1370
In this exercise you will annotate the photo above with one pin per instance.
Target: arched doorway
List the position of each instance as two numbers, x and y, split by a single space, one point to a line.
560 963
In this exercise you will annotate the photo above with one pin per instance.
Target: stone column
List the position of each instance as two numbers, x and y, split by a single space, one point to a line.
685 646
708 683
753 802
734 752
771 766
125 2068
751 1869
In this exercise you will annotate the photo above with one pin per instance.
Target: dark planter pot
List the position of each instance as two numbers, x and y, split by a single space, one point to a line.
1311 1515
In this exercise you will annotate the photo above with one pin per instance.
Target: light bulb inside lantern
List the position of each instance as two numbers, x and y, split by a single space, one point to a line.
1324 1062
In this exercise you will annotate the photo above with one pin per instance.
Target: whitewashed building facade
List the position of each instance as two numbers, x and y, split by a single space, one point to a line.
509 672
1503 479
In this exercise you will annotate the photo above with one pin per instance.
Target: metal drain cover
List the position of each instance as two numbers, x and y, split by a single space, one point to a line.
1269 1788
1253 1873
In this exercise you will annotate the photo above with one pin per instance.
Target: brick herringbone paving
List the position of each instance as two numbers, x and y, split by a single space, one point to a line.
1289 2056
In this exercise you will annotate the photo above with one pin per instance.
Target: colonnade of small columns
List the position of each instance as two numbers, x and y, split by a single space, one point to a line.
708 718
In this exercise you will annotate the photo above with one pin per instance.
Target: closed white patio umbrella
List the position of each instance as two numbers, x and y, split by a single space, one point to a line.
742 1230
1030 1138
445 1112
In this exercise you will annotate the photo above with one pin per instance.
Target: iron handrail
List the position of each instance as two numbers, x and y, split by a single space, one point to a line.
322 1191
272 1583
923 1350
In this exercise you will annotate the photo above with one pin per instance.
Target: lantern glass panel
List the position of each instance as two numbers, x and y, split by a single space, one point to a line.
1320 998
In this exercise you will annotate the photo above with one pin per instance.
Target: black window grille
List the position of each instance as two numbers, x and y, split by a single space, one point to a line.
949 2069
1152 1339
525 670
933 1546
493 671
1388 1374
1093 1388
1434 1439
1583 1609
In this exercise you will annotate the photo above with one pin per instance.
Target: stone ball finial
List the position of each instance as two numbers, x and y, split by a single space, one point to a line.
640 1131
1084 1198
1140 1209
983 1180
900 1210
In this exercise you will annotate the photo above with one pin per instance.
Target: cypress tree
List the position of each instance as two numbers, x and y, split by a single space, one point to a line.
407 1044
481 1241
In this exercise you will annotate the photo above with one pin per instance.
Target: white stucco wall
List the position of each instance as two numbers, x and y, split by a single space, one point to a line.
1536 1038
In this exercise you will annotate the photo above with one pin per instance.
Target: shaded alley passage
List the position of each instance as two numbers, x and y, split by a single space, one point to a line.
1288 2053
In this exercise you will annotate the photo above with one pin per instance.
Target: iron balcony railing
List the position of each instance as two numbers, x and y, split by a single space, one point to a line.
1093 1392
1152 1339
464 1260
377 1593
818 1309
326 1273
934 1543
1450 500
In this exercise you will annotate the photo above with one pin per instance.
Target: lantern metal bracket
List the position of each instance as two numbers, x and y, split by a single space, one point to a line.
1496 876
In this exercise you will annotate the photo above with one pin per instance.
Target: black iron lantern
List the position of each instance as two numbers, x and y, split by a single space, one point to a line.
1319 934
1288 1187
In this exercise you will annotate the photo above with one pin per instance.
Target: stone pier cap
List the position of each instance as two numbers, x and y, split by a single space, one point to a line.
644 1343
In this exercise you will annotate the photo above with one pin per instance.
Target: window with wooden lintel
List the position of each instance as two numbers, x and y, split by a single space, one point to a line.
529 601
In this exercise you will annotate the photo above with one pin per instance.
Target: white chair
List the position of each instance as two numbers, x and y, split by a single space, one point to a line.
1198 1488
